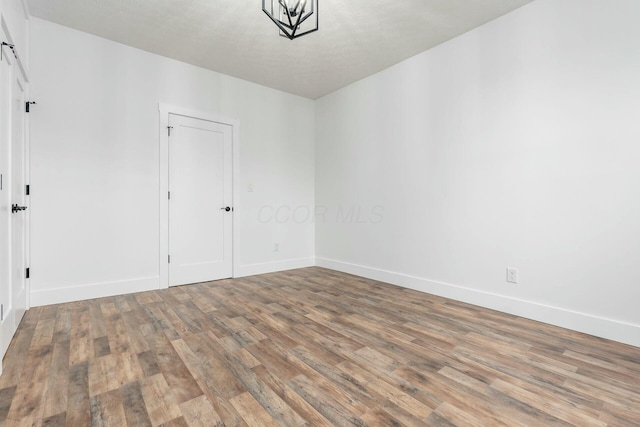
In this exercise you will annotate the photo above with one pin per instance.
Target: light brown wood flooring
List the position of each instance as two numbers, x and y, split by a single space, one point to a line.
308 347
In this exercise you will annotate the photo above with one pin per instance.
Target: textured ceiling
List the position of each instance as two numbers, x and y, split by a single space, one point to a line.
356 37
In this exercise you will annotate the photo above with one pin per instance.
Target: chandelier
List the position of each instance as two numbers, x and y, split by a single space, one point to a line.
294 18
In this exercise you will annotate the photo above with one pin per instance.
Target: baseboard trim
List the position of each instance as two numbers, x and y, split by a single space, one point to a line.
272 267
626 333
93 290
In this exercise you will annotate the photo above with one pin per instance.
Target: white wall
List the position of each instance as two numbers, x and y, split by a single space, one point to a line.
95 164
516 144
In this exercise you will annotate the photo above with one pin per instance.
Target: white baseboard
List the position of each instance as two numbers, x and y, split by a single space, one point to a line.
93 290
627 333
272 267
120 287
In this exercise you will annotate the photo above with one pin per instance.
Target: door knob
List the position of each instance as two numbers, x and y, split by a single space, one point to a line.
227 209
15 208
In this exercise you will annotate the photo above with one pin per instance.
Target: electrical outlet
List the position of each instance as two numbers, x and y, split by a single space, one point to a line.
250 188
512 275
276 247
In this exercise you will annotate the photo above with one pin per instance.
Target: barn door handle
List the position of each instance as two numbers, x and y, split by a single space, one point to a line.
15 208
226 209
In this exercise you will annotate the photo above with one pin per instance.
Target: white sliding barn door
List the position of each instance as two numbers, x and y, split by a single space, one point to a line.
13 292
200 200
7 324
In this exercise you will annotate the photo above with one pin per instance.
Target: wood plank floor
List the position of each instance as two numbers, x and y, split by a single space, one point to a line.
308 347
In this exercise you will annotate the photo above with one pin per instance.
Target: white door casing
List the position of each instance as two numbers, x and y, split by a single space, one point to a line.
199 199
18 197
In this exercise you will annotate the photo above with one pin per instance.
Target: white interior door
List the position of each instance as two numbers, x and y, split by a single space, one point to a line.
13 295
200 200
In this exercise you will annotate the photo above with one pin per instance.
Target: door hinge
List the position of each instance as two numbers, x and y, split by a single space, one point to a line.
27 104
0 182
169 130
169 195
27 275
169 259
27 189
1 312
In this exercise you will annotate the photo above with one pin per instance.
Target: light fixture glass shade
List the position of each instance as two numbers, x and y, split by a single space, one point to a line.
294 18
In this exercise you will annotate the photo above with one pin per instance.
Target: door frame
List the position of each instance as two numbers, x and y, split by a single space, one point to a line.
26 222
165 110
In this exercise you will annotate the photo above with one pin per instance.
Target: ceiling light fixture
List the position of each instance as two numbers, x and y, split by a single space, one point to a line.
295 18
